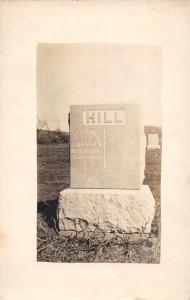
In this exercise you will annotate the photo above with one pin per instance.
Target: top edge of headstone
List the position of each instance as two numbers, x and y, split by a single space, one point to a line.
106 105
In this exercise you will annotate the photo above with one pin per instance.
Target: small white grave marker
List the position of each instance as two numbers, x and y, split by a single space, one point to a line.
153 141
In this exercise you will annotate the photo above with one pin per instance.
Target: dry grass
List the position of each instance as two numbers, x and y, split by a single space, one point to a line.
53 176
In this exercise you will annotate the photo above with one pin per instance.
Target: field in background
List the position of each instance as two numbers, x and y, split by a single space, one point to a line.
52 137
54 176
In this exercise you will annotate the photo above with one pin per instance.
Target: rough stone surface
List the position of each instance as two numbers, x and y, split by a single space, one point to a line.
107 146
82 211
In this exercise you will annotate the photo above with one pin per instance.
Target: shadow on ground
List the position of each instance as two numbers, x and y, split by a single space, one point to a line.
48 211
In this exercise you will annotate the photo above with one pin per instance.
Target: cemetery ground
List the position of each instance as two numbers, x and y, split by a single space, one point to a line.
53 176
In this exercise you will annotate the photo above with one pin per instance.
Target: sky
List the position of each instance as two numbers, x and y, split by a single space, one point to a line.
69 74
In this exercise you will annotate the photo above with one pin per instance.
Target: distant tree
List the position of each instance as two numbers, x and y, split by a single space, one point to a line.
47 136
42 125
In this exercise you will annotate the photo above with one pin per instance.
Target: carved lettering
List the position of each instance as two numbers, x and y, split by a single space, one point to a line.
104 117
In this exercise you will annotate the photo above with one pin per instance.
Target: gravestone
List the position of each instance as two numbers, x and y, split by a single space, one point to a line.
81 211
153 141
107 157
105 146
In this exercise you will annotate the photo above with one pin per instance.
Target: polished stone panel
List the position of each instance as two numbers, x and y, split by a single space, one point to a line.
105 146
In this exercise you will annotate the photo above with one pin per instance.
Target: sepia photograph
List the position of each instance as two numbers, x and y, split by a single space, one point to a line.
94 155
99 143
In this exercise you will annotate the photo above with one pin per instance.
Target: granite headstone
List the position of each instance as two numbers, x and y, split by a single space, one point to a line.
107 156
105 146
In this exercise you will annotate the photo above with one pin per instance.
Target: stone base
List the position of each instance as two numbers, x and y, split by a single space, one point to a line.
150 147
84 211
